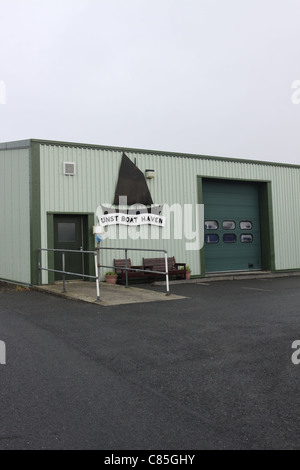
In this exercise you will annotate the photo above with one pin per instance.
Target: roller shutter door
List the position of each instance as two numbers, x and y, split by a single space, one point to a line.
232 226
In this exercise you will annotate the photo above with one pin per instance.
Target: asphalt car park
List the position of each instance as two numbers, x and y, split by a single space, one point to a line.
209 370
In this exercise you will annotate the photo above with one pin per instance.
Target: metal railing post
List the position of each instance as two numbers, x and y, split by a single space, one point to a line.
126 266
167 273
39 267
97 275
63 260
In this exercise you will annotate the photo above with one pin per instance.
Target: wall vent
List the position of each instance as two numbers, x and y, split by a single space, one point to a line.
69 168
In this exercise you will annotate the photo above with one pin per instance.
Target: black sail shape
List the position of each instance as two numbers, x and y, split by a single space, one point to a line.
132 183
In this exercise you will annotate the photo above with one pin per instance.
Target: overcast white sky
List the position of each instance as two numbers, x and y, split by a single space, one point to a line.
207 77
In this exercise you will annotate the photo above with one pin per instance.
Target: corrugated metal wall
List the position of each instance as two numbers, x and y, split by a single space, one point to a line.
175 182
15 216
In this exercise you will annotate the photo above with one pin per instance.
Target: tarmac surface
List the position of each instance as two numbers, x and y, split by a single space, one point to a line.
211 370
120 295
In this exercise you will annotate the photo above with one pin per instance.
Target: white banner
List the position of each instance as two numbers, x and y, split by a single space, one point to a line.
132 220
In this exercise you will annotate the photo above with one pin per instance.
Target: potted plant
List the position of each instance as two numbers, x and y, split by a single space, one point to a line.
188 272
111 277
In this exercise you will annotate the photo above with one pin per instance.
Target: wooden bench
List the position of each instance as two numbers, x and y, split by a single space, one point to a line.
120 264
158 264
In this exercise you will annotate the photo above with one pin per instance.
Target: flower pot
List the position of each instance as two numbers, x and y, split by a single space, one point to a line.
188 275
111 279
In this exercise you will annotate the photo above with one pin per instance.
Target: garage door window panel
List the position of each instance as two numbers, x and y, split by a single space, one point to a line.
246 238
229 238
211 225
228 225
246 225
211 238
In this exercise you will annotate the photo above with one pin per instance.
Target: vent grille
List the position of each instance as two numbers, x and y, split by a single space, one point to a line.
69 168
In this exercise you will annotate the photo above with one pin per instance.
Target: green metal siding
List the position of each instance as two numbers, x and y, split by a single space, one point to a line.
95 182
175 182
15 216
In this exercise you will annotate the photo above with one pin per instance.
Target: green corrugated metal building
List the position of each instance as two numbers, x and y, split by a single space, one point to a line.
50 192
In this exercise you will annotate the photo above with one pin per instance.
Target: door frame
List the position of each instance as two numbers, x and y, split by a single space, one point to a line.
89 241
265 217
